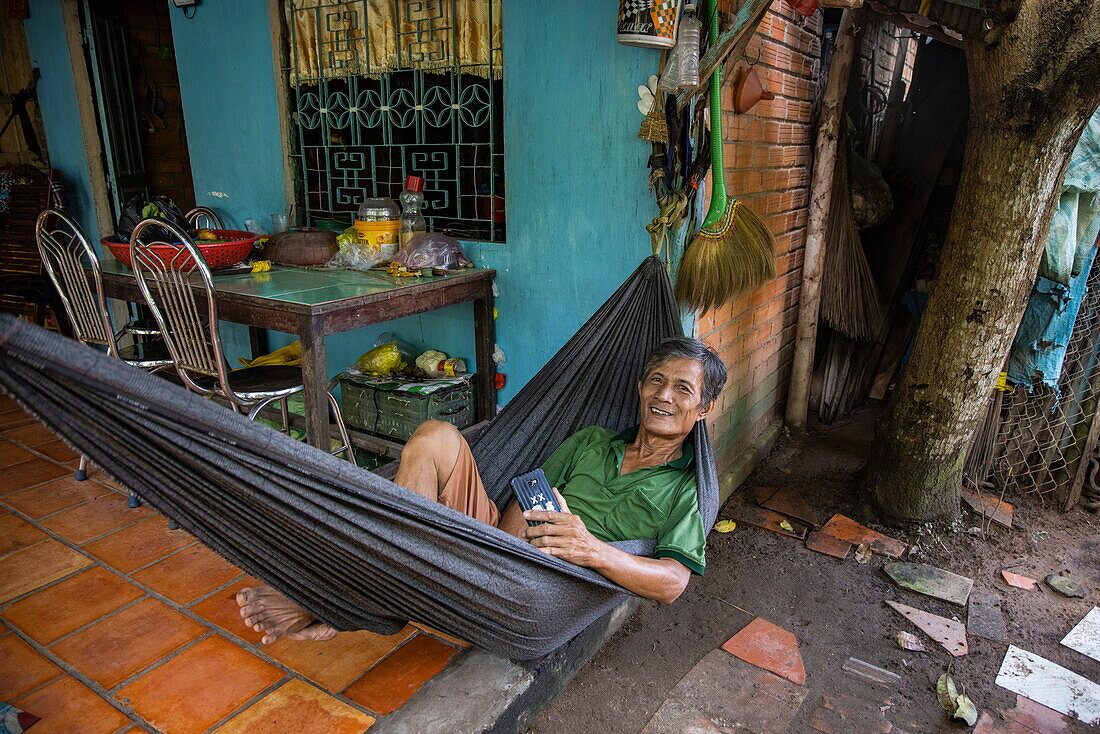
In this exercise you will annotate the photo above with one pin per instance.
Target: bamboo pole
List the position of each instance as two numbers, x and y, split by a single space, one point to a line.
821 192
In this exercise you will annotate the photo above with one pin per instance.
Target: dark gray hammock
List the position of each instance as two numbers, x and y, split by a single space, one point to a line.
355 549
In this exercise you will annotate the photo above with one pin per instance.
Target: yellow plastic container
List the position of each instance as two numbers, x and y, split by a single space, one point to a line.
378 227
381 237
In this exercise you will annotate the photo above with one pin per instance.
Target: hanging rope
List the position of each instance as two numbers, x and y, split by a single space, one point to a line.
673 209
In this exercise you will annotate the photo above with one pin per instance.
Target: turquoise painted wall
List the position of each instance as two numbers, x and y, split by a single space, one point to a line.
576 177
227 85
49 51
576 174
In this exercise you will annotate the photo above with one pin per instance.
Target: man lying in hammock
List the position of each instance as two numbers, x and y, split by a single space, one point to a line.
636 484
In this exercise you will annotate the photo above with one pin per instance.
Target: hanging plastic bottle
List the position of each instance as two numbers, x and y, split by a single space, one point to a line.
682 68
412 199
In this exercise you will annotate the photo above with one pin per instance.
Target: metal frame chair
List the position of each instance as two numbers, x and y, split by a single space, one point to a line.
189 324
203 217
65 249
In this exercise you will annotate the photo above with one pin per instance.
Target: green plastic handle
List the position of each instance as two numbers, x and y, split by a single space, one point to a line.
718 197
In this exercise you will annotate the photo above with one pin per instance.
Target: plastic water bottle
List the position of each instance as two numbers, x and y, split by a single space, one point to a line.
682 67
412 199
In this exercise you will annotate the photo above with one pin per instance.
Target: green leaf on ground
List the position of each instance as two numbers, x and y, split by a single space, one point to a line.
947 693
965 710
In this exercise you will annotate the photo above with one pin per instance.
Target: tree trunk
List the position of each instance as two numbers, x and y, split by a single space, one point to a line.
1032 89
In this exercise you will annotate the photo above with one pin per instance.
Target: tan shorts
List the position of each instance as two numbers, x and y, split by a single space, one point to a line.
465 492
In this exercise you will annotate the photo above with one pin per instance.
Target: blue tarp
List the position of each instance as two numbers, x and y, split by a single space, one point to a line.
1077 218
1044 333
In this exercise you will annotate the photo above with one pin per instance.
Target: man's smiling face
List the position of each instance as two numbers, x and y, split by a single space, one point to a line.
670 398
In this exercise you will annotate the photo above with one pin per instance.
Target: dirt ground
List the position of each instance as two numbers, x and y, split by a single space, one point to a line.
836 608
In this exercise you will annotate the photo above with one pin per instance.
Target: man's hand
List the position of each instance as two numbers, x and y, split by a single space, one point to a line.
564 535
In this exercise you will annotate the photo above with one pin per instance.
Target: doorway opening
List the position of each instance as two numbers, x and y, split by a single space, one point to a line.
135 82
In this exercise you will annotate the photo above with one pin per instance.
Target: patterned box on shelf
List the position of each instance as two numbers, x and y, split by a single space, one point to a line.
394 407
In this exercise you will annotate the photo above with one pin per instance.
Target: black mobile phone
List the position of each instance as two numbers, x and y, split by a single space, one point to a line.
533 493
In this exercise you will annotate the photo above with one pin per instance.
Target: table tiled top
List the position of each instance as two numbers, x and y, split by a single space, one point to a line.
307 286
109 619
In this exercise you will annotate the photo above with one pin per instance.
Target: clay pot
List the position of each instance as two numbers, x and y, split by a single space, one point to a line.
301 247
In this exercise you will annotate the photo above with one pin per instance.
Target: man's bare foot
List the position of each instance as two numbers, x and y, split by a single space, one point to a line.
266 610
316 632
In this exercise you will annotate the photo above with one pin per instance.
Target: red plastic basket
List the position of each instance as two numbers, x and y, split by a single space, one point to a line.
217 255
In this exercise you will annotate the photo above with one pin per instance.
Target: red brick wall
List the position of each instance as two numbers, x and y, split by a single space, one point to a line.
767 154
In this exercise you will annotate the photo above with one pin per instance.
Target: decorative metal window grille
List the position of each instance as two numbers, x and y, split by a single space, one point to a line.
381 89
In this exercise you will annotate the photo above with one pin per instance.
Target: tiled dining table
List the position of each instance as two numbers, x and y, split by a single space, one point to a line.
314 303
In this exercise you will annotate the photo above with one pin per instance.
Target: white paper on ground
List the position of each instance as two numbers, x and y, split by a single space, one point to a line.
1050 684
1085 637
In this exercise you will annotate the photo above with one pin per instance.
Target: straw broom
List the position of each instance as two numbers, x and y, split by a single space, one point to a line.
850 301
734 252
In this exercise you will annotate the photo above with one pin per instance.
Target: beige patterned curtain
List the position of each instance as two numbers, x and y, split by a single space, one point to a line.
333 38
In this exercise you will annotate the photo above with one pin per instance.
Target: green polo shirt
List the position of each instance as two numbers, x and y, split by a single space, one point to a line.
655 502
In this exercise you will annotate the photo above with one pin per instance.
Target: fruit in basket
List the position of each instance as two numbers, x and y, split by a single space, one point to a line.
206 235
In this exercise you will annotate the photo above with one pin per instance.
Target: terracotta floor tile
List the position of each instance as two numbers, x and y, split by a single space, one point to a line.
57 450
337 662
95 518
189 574
139 545
54 496
442 635
221 609
116 647
11 453
28 473
720 688
37 565
827 544
769 647
296 706
73 603
949 633
16 533
66 706
31 435
769 520
16 418
388 685
199 687
1020 582
22 669
845 528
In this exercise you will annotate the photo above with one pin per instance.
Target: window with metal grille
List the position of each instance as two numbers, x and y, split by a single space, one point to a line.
382 89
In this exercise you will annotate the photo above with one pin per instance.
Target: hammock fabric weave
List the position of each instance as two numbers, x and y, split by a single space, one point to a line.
355 549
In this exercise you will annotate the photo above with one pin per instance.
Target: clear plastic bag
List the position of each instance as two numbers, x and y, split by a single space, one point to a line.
682 67
432 250
354 253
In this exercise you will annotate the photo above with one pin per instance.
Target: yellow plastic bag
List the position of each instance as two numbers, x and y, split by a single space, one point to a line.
381 360
290 355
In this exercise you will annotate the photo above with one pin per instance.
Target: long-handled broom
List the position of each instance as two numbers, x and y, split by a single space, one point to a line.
734 252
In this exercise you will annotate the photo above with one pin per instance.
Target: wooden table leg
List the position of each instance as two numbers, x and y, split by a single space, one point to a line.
315 378
484 344
257 339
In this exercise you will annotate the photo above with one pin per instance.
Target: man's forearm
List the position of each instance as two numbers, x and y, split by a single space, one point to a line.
661 579
564 535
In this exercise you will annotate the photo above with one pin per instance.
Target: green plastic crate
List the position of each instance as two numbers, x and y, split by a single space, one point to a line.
396 413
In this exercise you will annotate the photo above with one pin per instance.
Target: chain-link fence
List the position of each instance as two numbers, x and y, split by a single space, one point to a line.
1032 440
